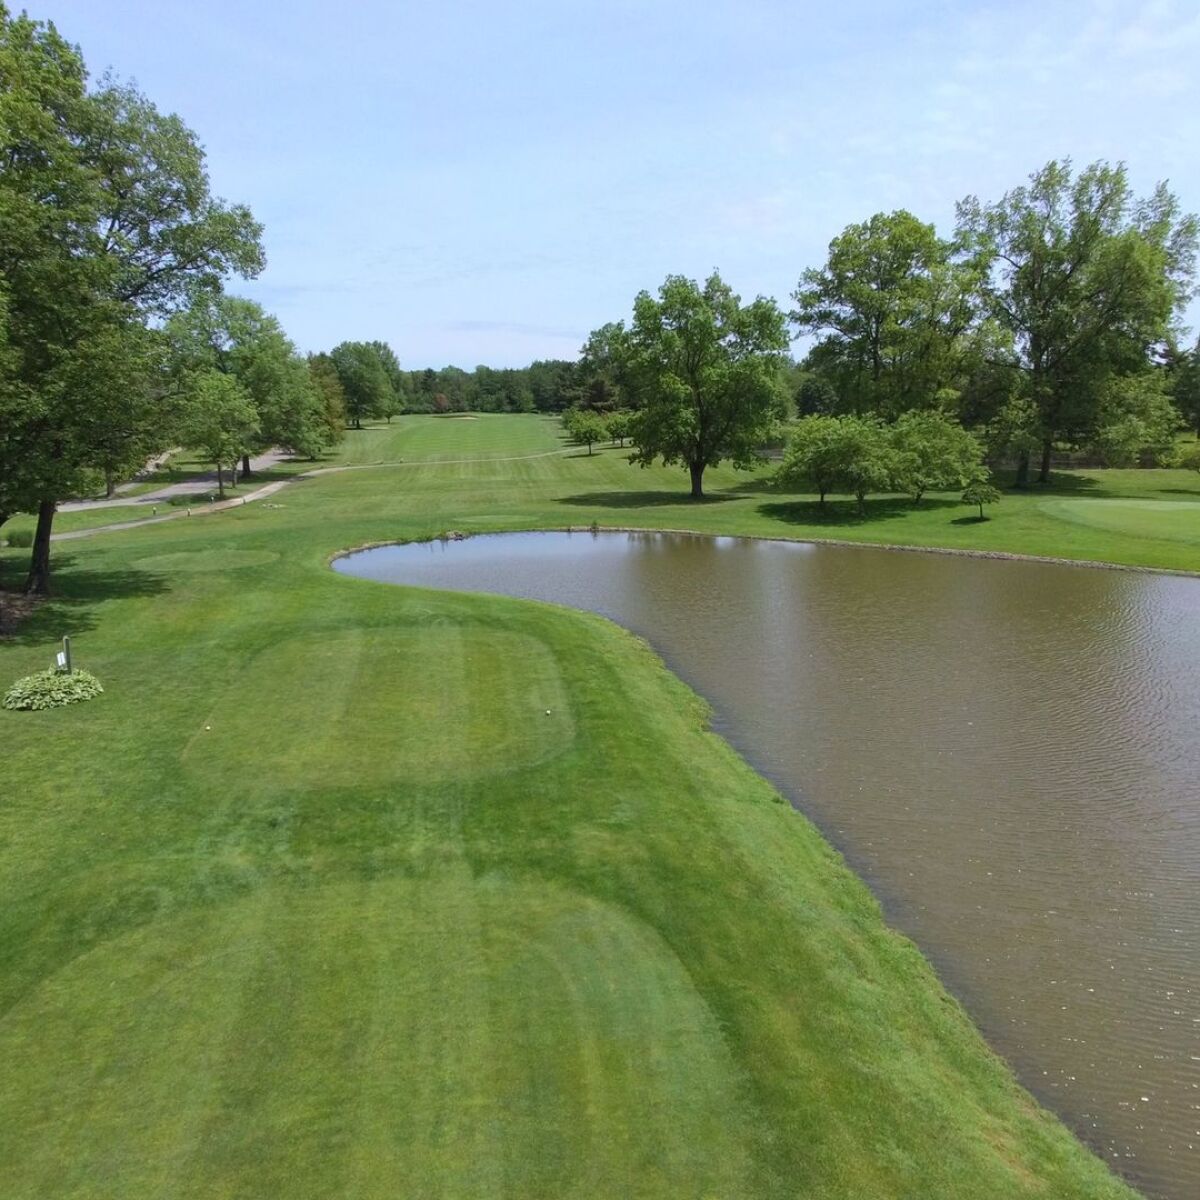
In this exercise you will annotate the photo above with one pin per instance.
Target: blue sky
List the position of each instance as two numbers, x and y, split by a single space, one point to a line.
479 182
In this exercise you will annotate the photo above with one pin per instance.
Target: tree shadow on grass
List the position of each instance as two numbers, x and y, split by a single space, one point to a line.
1061 483
846 514
753 487
71 606
623 499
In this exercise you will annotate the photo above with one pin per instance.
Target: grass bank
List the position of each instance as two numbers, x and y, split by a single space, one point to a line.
345 889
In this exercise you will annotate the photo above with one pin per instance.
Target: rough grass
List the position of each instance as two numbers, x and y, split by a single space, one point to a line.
318 900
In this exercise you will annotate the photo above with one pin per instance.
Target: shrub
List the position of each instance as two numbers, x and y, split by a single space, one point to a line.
52 689
19 538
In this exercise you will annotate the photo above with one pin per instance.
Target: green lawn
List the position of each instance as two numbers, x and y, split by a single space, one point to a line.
319 900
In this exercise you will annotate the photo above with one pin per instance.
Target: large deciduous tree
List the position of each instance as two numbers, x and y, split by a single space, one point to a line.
364 379
889 308
703 371
1087 280
106 224
333 399
1184 374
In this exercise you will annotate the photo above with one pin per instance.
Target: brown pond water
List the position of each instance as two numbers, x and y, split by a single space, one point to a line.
1008 752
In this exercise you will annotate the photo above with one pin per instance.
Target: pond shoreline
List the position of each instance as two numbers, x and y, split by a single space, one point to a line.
905 548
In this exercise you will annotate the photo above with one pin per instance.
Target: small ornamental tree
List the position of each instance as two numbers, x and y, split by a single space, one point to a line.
981 491
814 460
838 454
870 460
619 426
585 427
932 453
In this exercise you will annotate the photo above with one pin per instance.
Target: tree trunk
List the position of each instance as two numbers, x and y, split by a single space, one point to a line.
696 470
220 482
38 582
110 484
1044 475
1022 479
245 466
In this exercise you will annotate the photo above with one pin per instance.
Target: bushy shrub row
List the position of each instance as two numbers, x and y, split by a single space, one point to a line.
920 452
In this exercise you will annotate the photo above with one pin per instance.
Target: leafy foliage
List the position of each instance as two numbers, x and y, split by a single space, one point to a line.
702 370
1085 279
891 303
932 453
838 454
1137 419
620 425
52 689
220 419
585 427
236 337
107 227
981 491
363 375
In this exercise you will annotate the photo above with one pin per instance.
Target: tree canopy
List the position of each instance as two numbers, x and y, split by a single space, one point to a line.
1086 279
702 369
106 224
363 374
889 307
236 337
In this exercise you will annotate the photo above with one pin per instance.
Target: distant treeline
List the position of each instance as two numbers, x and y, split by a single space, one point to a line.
372 385
548 386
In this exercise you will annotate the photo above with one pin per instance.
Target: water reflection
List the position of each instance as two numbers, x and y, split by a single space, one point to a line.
1007 751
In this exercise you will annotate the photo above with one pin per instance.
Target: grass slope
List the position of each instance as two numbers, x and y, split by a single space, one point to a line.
318 900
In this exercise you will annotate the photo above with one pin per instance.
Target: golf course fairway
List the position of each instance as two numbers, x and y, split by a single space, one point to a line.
343 889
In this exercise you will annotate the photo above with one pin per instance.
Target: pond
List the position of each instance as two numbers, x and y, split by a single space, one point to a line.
1008 752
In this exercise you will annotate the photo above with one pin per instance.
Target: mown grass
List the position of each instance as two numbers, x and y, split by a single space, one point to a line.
346 889
563 485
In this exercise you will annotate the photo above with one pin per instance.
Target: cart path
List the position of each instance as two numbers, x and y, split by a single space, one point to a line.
266 490
193 485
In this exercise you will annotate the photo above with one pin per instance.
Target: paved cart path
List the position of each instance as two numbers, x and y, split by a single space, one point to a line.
261 493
